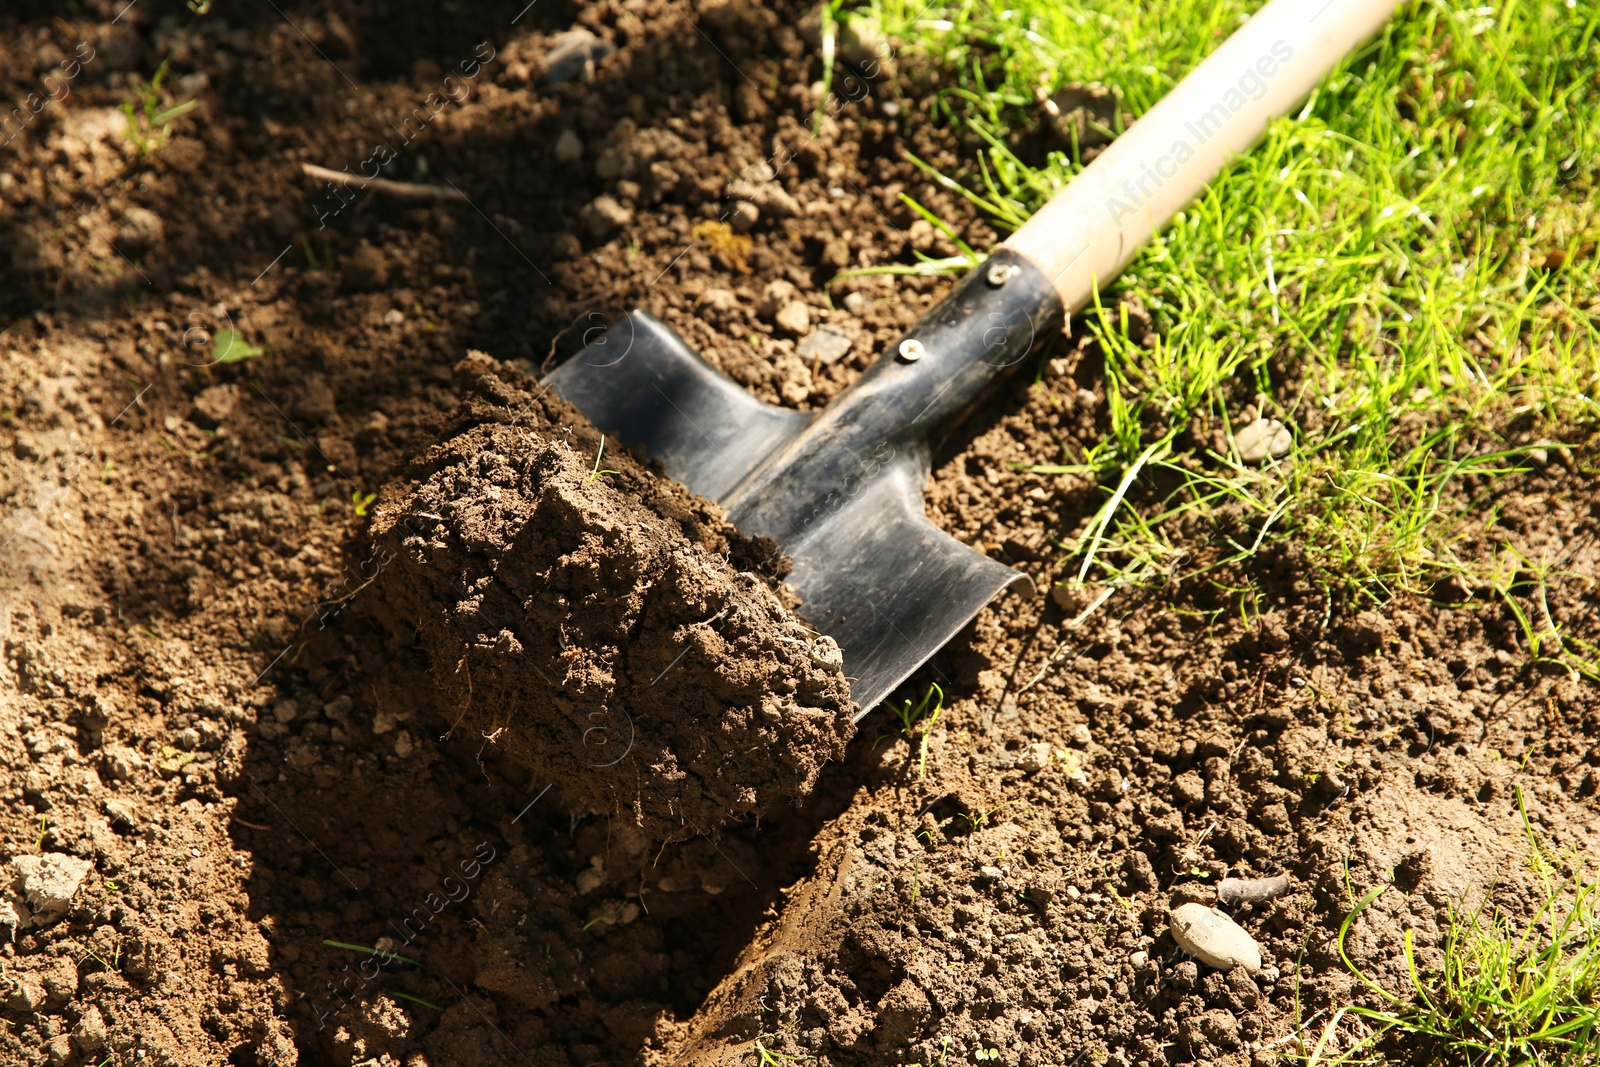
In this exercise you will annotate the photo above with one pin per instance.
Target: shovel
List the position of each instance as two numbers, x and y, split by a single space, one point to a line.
841 490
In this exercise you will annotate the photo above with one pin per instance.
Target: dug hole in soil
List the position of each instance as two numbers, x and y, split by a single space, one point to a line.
240 745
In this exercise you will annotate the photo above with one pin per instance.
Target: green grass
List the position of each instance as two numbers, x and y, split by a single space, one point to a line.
1507 994
1402 272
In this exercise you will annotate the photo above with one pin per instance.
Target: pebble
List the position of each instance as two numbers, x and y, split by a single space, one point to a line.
855 303
121 811
744 217
991 874
826 344
48 882
569 149
605 216
836 254
1081 735
573 55
794 317
776 295
1214 939
141 228
1139 959
90 1033
216 403
1035 758
1262 438
826 654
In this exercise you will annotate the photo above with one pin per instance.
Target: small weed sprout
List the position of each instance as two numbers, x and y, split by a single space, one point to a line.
597 472
229 346
362 501
112 965
919 720
150 124
975 821
766 1057
414 1000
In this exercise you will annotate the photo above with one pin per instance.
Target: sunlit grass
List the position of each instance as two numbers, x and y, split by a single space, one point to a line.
1402 272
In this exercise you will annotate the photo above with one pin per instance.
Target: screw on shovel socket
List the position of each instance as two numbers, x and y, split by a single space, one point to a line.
1000 273
911 350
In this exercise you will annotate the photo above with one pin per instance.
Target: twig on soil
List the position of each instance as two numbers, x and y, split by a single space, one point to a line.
1072 624
402 190
1251 890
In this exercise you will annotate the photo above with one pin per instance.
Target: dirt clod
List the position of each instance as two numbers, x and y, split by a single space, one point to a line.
48 882
577 610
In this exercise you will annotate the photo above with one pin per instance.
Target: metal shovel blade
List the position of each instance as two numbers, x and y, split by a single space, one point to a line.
871 570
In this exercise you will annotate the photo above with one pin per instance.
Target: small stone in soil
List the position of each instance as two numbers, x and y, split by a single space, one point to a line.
569 149
141 228
90 1033
836 254
827 344
825 653
604 216
14 915
1035 758
573 55
1081 735
745 216
1262 438
777 294
1214 939
121 812
794 317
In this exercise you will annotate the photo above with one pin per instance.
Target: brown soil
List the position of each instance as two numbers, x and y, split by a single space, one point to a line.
604 627
255 772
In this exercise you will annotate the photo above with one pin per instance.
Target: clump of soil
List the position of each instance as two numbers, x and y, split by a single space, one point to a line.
607 628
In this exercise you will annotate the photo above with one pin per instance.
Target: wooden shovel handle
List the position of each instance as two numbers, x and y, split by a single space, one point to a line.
1092 228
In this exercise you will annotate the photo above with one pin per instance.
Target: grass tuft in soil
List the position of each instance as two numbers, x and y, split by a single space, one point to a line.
1506 992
